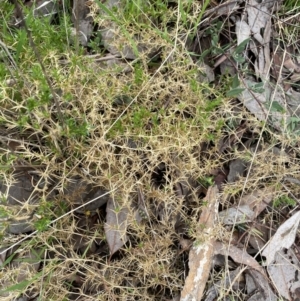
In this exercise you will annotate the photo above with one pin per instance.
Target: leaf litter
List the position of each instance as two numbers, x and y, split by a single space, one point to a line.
269 94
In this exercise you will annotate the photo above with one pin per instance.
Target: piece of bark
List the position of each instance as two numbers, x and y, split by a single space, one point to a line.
201 254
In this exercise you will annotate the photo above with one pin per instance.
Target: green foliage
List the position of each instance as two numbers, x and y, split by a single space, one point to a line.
3 211
76 129
284 200
206 181
42 224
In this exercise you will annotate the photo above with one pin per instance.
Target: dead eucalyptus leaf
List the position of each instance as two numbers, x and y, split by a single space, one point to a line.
283 238
259 199
235 216
258 16
258 287
238 255
242 31
116 225
283 273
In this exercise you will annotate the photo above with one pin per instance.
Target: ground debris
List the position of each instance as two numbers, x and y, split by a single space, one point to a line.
201 254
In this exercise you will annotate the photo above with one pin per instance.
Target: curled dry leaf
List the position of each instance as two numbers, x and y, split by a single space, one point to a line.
238 255
201 255
283 238
116 225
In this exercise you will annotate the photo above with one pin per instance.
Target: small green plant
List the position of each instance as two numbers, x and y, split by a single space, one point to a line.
206 181
284 200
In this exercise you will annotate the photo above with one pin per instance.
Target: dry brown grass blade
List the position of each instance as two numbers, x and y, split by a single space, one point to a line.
201 254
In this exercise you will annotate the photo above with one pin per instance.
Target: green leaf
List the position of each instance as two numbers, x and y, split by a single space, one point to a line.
18 287
234 92
276 107
7 261
258 88
235 82
205 53
241 47
239 58
21 42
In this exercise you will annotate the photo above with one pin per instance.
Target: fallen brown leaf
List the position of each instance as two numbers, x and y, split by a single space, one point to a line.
258 287
116 225
238 255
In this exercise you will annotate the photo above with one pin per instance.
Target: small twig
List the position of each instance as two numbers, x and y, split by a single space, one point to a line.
18 141
95 57
2 44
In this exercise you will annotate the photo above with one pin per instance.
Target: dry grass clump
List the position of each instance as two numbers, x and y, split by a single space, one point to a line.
151 146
